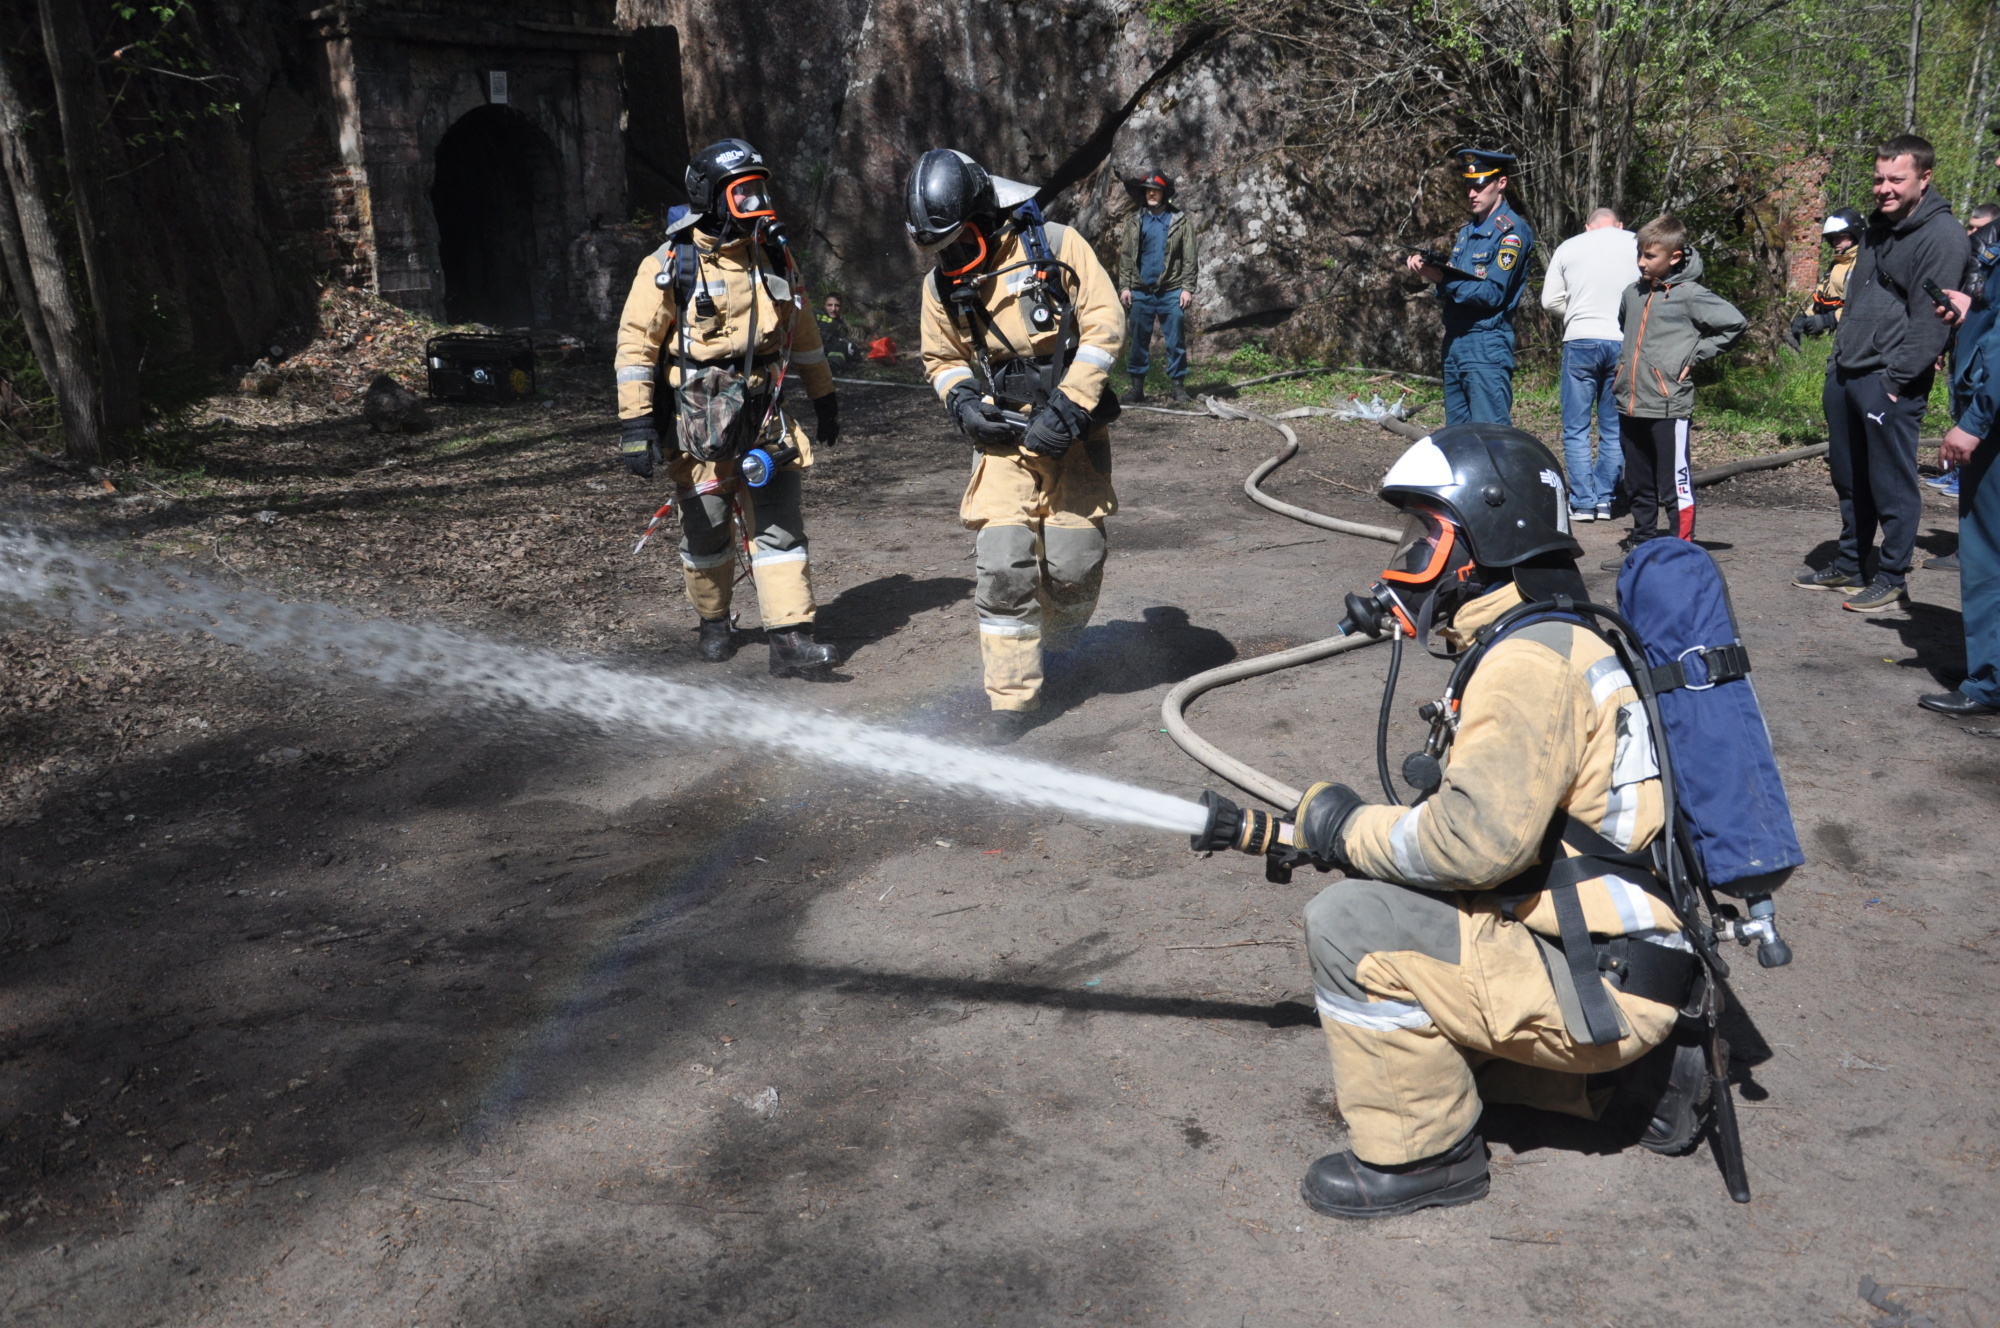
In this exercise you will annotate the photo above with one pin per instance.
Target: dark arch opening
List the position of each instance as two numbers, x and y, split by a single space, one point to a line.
496 198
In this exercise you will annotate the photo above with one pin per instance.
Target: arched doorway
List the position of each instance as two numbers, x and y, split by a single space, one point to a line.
496 198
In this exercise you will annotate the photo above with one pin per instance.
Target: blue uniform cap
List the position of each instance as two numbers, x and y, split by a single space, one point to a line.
1482 164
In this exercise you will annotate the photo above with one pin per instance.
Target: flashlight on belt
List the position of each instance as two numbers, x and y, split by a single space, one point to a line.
759 464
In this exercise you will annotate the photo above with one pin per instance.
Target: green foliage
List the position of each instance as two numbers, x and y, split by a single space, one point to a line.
25 385
158 44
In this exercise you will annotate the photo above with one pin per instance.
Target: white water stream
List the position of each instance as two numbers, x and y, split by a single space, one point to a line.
53 577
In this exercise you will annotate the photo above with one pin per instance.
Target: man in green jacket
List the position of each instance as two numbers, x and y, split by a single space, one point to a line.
1156 276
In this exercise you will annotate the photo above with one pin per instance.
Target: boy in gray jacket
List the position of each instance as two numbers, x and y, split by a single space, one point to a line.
1671 323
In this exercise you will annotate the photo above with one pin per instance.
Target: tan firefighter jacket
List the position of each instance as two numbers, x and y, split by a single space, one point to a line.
1100 321
1549 723
649 324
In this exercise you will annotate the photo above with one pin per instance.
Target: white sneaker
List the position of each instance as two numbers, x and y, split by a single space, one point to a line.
1604 511
1581 514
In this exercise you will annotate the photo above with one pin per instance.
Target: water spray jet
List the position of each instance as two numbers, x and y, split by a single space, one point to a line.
52 577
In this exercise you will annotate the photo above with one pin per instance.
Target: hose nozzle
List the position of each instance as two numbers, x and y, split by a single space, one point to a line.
1230 826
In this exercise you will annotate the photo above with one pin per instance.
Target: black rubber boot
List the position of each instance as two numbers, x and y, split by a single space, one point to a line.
1180 390
1671 1085
714 641
997 728
1134 394
1342 1185
794 654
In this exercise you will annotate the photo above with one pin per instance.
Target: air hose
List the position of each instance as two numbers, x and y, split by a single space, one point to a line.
1173 710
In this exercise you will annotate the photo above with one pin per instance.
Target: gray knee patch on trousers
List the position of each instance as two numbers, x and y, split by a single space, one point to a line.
1008 571
704 525
1349 921
776 513
1072 556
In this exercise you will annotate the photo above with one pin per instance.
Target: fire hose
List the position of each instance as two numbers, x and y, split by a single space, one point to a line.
1173 710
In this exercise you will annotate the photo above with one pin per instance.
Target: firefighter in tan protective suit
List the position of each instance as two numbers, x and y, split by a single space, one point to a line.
1021 325
719 306
1455 966
1842 233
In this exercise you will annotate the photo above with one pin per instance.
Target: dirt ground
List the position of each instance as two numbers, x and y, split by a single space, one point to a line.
322 1005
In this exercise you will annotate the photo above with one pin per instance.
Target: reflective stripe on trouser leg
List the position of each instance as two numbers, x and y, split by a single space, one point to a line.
708 565
1007 578
1683 480
1072 574
778 560
1405 1089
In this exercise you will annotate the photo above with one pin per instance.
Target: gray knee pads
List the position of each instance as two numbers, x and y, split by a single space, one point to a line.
1008 570
1072 556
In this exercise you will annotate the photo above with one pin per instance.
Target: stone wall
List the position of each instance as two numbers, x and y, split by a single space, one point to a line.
844 94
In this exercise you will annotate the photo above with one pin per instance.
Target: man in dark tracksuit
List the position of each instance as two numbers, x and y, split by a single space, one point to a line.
1878 379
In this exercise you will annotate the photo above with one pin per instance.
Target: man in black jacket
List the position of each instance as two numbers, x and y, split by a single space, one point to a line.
1878 380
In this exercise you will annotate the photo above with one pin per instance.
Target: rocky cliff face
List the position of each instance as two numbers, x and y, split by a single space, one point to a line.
844 94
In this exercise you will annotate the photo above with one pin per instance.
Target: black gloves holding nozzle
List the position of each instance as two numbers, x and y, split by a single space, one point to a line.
1055 426
639 445
827 409
1313 839
1323 812
977 418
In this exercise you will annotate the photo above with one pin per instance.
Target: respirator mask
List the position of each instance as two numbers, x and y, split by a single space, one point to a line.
1430 574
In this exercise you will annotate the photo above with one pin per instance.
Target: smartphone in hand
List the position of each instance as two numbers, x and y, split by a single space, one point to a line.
1938 297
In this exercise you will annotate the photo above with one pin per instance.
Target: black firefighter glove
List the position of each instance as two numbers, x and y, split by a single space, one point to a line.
1055 426
1809 325
827 408
639 445
1323 811
978 419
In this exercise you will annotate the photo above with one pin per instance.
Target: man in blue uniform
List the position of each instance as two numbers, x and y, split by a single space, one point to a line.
1477 293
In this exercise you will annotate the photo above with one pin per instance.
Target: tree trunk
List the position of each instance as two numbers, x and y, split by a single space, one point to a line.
1910 86
1973 118
80 103
68 367
20 282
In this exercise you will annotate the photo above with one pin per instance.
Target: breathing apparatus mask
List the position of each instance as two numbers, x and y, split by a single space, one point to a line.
745 207
1431 573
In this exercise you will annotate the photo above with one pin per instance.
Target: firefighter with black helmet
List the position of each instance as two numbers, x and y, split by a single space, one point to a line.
1021 326
717 315
1842 233
1459 963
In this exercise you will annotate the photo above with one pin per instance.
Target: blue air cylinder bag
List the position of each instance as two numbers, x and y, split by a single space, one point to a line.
1725 775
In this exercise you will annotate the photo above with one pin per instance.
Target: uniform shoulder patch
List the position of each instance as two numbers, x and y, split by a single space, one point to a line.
1501 221
1507 257
1512 239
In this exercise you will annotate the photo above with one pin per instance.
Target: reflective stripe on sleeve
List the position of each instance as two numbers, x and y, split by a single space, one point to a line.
809 356
1409 854
1604 677
1096 355
947 379
635 373
1375 1016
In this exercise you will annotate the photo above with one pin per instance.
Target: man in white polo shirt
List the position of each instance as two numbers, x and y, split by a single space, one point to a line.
1587 276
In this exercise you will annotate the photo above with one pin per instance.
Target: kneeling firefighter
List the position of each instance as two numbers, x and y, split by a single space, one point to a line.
725 291
1021 326
1508 938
